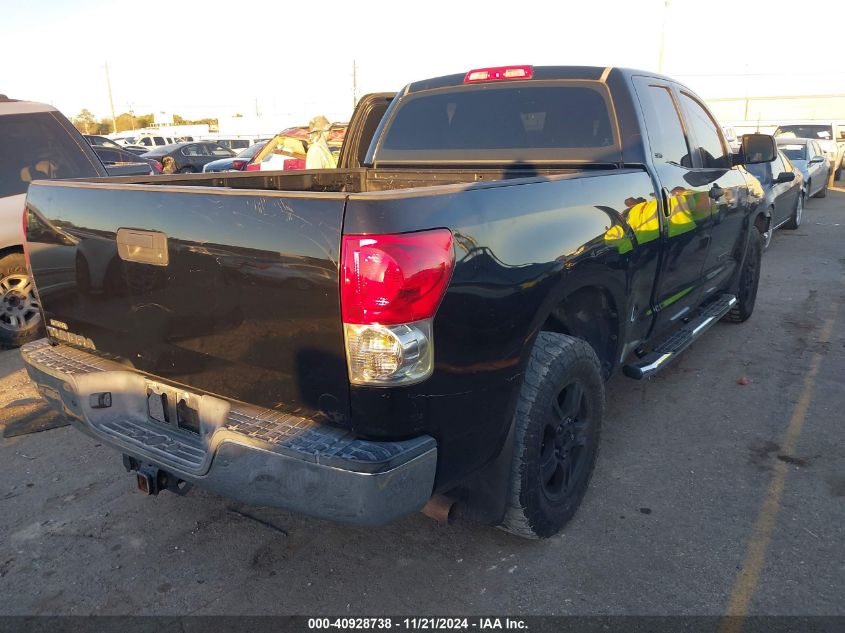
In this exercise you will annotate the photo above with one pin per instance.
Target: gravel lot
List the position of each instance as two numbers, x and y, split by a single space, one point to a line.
709 496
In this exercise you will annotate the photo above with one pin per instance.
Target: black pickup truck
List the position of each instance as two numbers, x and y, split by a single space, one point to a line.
431 324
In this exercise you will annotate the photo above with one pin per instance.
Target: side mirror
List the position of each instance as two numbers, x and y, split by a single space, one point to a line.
757 148
785 176
817 159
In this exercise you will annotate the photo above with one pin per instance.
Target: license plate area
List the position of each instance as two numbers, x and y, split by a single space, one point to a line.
173 407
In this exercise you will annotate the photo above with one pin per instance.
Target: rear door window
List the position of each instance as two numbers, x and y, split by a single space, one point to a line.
665 131
37 146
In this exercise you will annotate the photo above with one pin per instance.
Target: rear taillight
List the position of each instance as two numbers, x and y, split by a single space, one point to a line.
253 167
390 289
499 73
294 163
239 163
157 166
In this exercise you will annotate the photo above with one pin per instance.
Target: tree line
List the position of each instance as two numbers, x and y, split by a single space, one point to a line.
87 123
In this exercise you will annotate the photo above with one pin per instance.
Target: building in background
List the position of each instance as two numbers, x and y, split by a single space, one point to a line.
747 114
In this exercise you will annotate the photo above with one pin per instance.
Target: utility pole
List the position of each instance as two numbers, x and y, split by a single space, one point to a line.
745 81
354 84
662 36
111 101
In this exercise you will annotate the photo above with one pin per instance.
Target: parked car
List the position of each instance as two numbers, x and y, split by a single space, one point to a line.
119 162
829 136
151 140
287 150
101 141
236 163
234 144
36 143
808 158
187 158
95 140
515 238
784 194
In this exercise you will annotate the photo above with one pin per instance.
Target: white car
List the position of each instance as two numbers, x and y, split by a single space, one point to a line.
36 142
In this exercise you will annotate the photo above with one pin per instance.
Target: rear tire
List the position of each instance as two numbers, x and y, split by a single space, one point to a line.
20 317
187 170
768 234
749 280
822 193
795 219
557 430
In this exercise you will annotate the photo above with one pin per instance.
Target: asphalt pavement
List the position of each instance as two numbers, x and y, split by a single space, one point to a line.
710 496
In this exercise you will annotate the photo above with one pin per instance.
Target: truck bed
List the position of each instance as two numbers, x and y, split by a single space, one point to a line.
243 301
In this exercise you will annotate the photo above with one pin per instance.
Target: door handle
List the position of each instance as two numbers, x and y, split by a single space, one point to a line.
716 192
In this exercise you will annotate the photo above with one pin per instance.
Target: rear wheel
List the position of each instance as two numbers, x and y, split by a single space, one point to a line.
795 220
749 280
822 193
767 229
187 170
20 317
557 428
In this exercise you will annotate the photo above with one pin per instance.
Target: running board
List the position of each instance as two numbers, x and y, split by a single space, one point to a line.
666 352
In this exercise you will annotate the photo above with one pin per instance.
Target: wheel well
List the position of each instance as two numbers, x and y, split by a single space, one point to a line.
9 250
761 222
589 314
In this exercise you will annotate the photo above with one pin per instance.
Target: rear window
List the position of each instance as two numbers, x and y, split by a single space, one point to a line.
823 132
544 122
36 146
794 152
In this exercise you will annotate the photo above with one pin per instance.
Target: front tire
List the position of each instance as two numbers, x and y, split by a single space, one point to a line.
20 317
749 280
557 430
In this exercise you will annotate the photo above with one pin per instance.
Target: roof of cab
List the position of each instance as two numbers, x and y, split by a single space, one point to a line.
539 73
13 106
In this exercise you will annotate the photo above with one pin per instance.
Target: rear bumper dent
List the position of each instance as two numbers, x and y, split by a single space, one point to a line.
253 455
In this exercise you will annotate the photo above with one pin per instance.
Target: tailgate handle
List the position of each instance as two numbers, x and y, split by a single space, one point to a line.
143 247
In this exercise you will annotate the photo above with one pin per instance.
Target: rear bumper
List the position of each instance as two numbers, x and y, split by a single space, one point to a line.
257 456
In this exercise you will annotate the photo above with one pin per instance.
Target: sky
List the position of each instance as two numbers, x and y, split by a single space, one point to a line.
287 59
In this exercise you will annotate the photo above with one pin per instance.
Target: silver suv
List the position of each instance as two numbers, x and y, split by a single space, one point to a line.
36 142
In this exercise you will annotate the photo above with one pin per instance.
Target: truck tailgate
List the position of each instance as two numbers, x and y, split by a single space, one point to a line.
227 292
